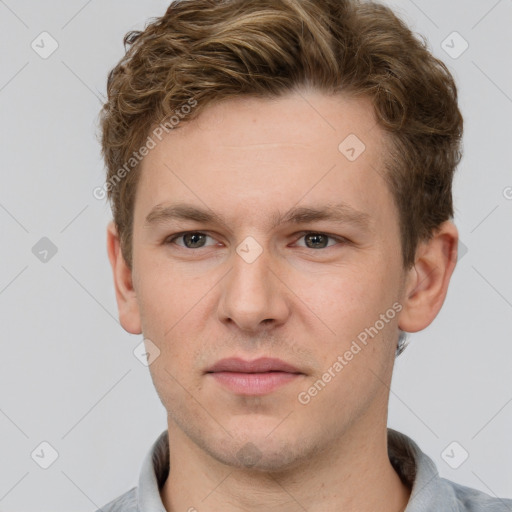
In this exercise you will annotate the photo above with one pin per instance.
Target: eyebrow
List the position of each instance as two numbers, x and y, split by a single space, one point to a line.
340 213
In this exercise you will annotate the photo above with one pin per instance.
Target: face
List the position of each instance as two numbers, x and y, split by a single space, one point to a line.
267 270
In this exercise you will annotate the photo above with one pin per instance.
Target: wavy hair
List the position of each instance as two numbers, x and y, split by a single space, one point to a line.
209 50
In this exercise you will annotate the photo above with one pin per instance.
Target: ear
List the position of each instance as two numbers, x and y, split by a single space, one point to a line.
127 304
426 283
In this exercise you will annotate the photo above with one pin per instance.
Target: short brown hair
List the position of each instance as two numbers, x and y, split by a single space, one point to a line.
209 50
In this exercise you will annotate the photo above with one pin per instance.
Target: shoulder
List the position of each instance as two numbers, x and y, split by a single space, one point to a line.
127 502
473 500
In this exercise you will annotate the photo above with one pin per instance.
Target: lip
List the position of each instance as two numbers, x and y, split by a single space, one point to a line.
256 377
260 365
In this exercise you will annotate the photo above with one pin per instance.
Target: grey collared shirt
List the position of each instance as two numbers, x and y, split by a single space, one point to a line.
430 492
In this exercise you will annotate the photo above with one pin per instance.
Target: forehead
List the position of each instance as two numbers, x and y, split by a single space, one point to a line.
254 156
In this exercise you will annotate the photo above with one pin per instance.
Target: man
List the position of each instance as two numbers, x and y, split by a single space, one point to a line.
280 176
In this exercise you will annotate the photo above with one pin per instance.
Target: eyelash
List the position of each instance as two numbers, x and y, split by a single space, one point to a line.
340 240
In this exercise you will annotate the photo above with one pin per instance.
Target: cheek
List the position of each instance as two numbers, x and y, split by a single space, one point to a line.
172 306
352 304
345 300
165 296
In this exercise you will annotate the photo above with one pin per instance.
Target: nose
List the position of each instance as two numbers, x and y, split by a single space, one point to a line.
253 295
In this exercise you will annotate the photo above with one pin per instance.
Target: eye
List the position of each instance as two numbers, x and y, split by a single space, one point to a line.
314 240
190 240
197 240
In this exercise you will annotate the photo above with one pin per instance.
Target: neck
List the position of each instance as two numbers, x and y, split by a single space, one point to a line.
356 475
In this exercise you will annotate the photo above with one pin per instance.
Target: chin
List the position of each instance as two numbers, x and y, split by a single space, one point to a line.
259 451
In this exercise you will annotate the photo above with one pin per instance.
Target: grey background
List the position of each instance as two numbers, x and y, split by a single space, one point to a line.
68 375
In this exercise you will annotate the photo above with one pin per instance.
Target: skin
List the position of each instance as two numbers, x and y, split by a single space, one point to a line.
246 159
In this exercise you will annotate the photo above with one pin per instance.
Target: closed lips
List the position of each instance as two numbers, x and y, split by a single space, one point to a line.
261 365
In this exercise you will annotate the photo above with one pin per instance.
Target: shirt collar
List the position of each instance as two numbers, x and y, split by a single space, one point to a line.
154 472
416 469
429 491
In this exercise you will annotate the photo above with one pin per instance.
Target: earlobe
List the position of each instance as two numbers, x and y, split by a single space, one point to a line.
127 303
427 281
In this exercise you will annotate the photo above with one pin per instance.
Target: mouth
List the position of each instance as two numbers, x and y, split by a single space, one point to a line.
256 377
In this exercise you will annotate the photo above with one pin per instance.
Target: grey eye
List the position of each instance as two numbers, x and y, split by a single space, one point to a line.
316 240
194 240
